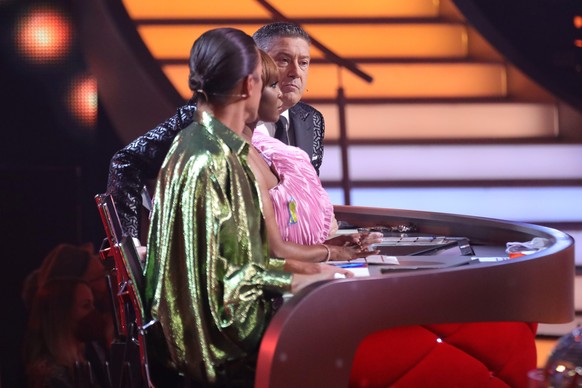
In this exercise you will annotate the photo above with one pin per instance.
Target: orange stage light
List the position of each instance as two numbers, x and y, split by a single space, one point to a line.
43 35
82 100
578 21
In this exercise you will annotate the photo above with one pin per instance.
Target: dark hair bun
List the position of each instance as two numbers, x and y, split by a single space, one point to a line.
219 59
195 82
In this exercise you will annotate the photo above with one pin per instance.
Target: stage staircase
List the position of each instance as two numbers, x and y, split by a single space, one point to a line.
447 124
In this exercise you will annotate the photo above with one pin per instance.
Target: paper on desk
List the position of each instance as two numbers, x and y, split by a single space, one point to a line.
360 272
372 259
357 271
359 267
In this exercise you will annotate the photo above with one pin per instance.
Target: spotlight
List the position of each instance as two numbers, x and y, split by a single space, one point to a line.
43 35
82 100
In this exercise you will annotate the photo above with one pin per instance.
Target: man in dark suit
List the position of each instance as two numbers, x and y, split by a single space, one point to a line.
300 125
137 163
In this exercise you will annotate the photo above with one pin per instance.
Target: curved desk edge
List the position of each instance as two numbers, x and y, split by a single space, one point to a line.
312 339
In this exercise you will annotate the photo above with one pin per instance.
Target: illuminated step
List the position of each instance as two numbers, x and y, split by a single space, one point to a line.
455 162
415 40
415 121
394 80
503 165
183 9
527 204
412 80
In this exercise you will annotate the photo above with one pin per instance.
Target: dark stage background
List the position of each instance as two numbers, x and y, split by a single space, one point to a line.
51 166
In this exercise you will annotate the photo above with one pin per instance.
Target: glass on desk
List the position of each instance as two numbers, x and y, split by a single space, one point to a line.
564 365
536 378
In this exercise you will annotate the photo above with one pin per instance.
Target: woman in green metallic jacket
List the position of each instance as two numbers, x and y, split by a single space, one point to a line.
209 278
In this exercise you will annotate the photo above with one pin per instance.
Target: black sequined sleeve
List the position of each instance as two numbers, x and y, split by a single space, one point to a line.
140 161
318 136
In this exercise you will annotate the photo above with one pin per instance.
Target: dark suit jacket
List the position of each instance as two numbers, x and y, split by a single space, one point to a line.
307 128
140 161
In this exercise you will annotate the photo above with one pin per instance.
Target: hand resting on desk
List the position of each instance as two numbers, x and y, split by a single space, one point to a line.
352 246
327 272
306 268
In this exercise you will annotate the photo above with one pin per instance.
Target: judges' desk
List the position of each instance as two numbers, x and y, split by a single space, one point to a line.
312 339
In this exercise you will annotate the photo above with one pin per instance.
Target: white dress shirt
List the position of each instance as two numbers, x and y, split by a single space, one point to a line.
269 128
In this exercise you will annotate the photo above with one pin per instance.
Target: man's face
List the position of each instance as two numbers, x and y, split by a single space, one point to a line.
292 58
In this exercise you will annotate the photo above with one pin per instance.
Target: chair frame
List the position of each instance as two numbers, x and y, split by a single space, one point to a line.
129 311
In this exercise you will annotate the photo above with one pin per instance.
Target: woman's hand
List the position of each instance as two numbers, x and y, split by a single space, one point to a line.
302 267
353 246
367 239
306 268
325 272
363 240
333 270
350 252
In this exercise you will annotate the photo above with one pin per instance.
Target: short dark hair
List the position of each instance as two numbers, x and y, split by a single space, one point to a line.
266 33
219 59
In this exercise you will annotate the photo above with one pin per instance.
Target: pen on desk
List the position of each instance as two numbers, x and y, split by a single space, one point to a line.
351 265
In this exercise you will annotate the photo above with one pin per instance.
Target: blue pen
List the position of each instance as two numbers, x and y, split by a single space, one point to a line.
351 265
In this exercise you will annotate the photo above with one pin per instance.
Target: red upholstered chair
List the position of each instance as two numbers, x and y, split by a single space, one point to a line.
489 354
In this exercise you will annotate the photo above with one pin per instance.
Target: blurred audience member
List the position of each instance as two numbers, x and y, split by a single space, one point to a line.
67 264
62 326
68 261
